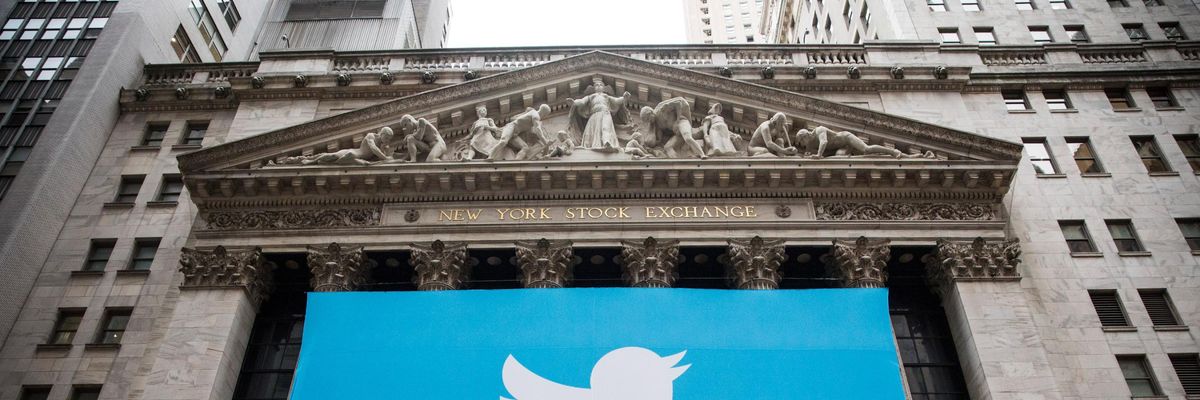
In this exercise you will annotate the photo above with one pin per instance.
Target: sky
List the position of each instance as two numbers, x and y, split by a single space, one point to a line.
496 23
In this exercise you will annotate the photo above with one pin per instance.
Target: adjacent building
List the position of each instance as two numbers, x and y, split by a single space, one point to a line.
723 21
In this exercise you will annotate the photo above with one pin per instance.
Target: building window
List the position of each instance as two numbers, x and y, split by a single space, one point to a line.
35 393
66 326
1085 156
1136 32
85 393
1014 100
1057 99
1190 227
1024 4
1152 3
1190 145
208 29
1075 233
1076 34
1060 5
230 11
1039 156
1118 3
113 327
1147 149
1124 236
1187 369
98 254
274 345
1041 34
183 46
1119 98
923 336
985 36
971 5
128 191
1137 375
194 134
143 254
1161 97
1108 308
171 189
1158 306
937 5
1172 30
336 9
155 132
949 35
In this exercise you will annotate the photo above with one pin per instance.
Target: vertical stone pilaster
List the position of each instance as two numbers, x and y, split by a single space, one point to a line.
545 263
860 264
202 349
336 268
652 263
439 266
754 263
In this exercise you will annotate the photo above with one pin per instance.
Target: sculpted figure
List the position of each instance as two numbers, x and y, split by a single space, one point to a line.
523 135
771 138
421 137
673 117
484 133
717 136
593 118
823 142
563 147
634 147
375 147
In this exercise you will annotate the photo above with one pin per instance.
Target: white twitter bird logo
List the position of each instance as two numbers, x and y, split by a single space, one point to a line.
627 373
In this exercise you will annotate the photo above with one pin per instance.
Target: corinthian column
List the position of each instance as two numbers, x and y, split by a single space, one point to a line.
754 263
439 266
545 263
205 340
651 263
336 268
860 264
977 260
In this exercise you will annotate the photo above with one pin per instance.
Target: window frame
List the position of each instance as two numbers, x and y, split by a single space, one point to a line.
164 195
1024 5
1116 297
188 139
28 392
1060 5
1118 4
1096 167
1131 244
136 256
1033 33
154 127
105 328
1192 360
1124 98
1082 36
91 259
1162 97
79 390
1141 360
1064 100
971 5
1166 27
1027 141
1193 242
935 5
1156 156
989 31
124 195
1136 32
58 329
184 47
1189 144
1087 236
1011 98
1168 304
944 31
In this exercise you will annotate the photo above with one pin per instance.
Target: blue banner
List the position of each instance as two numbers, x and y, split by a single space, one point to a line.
599 344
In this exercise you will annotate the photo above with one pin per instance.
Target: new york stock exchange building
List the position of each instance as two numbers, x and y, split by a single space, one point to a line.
880 222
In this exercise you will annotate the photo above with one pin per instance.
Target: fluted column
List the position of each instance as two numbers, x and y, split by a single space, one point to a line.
545 263
205 340
439 266
754 263
651 263
861 263
336 268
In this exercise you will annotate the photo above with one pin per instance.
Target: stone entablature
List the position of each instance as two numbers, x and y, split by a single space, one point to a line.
222 268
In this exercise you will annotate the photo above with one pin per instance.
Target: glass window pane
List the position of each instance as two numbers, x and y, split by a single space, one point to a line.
1074 231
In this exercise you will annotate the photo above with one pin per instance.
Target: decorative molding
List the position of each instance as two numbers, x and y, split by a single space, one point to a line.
439 266
890 211
652 263
754 263
977 260
220 268
336 268
545 263
860 264
227 220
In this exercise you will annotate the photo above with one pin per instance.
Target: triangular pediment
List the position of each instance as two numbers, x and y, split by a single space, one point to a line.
451 109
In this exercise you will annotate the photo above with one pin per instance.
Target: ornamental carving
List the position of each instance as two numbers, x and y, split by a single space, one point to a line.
545 263
292 219
977 260
860 264
754 263
221 268
439 265
336 268
881 211
652 263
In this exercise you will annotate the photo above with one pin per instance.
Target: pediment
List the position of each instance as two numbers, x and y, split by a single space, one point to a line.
506 95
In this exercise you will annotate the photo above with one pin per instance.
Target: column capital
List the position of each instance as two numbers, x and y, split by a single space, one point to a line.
651 263
977 260
221 268
545 263
336 268
754 263
439 265
861 263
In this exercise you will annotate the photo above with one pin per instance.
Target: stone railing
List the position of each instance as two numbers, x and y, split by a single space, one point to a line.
514 60
1113 56
177 74
837 57
1189 53
1010 57
361 64
680 58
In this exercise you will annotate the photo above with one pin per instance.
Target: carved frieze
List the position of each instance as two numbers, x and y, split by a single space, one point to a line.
336 268
754 263
890 211
439 265
545 263
978 260
860 264
651 263
221 268
232 220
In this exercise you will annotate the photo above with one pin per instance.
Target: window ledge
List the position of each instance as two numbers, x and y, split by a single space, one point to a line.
81 273
53 347
1119 328
145 148
1127 110
162 204
118 204
1169 109
1133 253
1067 111
102 346
1051 175
1196 252
1022 111
1150 397
1096 175
185 147
1165 173
1086 254
1171 328
133 272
